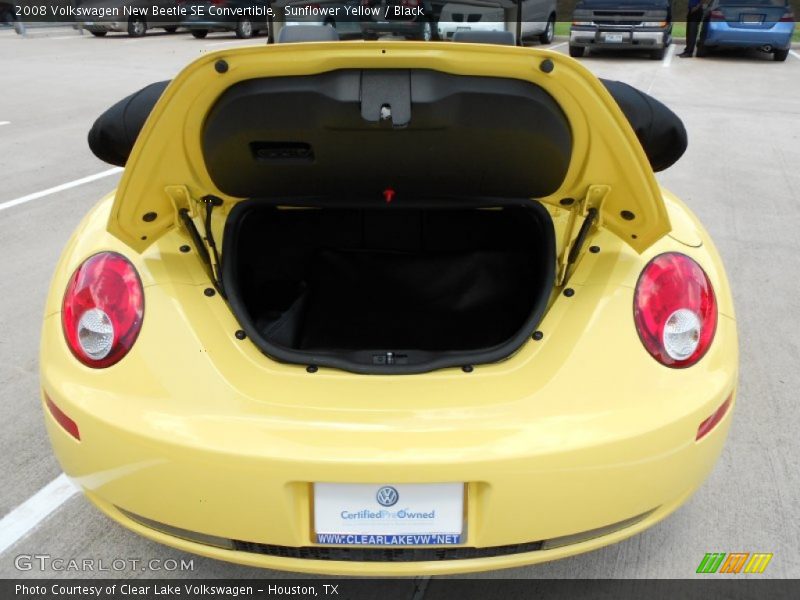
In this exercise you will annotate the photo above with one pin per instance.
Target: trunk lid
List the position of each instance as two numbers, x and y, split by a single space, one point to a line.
752 15
387 129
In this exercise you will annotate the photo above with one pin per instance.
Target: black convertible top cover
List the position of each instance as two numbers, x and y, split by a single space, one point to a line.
114 133
659 130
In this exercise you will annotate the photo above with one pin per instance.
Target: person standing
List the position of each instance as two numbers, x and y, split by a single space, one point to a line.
694 16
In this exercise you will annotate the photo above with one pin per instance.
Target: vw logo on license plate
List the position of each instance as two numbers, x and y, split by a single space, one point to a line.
387 496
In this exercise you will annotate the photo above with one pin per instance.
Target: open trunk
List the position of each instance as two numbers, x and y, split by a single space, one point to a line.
389 289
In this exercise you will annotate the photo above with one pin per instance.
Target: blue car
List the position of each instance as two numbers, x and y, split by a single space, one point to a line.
766 25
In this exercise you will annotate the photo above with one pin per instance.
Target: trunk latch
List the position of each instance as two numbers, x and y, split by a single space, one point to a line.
386 97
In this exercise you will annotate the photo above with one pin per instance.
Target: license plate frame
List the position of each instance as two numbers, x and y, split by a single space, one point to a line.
751 19
389 515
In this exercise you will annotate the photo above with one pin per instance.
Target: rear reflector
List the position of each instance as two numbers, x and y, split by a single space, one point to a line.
712 421
62 419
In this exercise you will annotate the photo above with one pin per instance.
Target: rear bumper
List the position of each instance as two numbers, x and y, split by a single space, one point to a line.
115 26
245 475
393 27
208 23
447 29
721 34
632 38
323 563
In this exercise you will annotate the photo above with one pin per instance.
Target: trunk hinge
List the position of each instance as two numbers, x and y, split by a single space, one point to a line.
590 209
187 208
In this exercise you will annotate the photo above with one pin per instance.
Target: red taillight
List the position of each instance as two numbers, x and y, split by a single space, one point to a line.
103 309
70 426
675 310
712 421
788 17
716 15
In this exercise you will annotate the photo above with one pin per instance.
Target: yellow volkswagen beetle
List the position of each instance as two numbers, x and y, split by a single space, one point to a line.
391 308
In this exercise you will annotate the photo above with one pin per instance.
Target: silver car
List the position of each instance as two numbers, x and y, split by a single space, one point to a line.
132 16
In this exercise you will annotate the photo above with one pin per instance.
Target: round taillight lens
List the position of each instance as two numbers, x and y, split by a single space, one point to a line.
103 309
675 310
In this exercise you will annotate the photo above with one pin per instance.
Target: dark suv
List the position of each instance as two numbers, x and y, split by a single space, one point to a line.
621 25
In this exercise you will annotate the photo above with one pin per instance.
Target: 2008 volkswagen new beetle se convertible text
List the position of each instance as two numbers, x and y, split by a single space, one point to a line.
389 308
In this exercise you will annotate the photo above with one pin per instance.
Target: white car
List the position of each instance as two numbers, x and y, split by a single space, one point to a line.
470 17
538 18
538 21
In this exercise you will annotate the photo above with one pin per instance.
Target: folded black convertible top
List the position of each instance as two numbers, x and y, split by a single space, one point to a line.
659 130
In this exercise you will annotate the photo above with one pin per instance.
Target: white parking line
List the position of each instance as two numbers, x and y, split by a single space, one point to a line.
668 58
795 54
557 45
5 123
23 519
59 188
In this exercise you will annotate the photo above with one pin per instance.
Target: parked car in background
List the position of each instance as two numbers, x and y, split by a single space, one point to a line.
538 18
456 16
538 21
245 18
136 25
621 25
340 14
411 19
767 25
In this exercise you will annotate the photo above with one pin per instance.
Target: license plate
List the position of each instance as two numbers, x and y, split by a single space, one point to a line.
614 38
752 18
403 514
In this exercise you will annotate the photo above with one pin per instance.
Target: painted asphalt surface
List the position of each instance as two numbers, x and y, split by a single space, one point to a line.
740 175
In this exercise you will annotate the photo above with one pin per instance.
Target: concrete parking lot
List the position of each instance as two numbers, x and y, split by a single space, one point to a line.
741 175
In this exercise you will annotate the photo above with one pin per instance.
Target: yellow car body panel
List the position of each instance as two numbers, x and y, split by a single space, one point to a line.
199 431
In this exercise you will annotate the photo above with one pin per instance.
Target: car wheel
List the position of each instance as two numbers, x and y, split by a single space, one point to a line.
780 55
137 27
170 29
701 51
576 51
98 33
200 33
244 29
658 54
549 31
427 32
